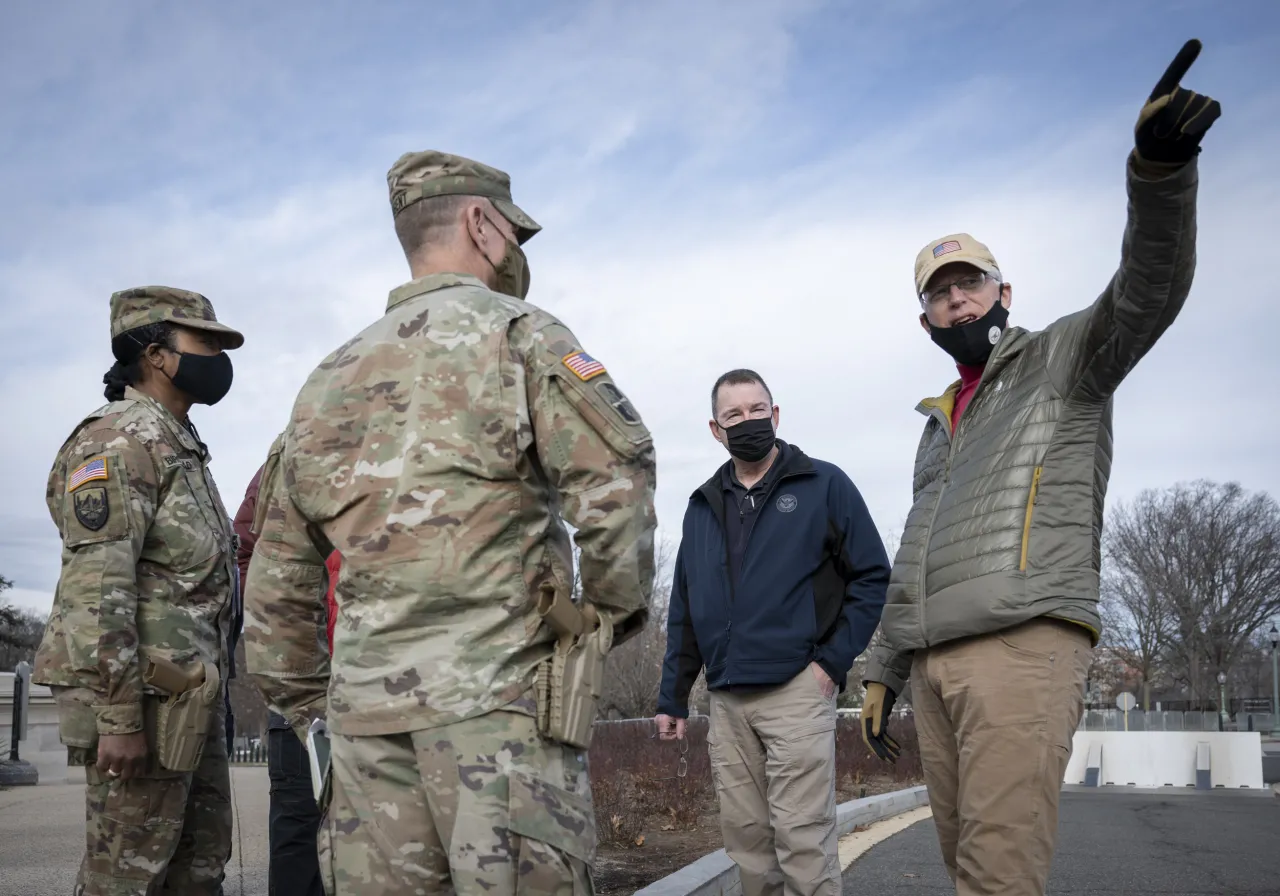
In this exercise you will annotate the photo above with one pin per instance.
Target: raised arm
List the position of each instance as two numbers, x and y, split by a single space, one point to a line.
1095 349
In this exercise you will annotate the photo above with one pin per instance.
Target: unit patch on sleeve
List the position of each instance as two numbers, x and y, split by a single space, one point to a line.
89 471
619 402
92 508
583 365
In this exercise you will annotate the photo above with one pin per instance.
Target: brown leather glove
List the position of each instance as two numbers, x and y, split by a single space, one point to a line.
875 722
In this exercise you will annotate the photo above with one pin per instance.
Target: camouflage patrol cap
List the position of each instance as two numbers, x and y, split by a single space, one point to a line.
144 305
421 175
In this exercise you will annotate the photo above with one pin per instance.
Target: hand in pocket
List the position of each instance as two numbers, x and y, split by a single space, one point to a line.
824 680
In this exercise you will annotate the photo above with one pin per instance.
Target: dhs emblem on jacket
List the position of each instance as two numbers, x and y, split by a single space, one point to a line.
787 503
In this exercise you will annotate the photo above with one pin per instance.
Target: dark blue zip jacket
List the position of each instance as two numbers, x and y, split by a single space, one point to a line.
812 585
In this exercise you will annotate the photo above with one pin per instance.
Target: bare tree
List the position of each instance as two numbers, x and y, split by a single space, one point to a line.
892 539
247 705
1136 621
633 674
1196 568
20 632
8 613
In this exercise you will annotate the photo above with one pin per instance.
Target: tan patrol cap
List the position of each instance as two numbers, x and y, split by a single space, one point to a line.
142 305
419 175
949 249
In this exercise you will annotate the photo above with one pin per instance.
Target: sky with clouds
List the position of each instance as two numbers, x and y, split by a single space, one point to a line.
721 184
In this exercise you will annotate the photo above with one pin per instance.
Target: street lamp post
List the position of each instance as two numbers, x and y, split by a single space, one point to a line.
1275 682
1222 701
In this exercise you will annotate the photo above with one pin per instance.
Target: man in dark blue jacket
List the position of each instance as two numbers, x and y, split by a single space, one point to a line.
779 583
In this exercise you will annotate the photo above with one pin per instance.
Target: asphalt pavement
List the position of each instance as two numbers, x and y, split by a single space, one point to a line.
1110 842
1116 842
42 836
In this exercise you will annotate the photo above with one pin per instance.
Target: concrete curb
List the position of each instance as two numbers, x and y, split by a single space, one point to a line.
717 875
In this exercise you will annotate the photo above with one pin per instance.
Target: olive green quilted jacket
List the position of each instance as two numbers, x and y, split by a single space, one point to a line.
1006 519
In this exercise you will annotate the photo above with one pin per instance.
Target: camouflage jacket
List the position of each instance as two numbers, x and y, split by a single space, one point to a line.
436 451
147 557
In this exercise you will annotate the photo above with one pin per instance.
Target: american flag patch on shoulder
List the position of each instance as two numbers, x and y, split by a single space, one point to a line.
87 472
583 365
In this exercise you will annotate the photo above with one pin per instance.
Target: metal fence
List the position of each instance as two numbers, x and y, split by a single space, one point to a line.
251 754
1114 720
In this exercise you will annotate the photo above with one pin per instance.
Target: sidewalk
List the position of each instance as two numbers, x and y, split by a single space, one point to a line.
42 836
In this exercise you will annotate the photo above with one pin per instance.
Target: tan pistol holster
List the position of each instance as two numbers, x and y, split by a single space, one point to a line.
186 710
569 682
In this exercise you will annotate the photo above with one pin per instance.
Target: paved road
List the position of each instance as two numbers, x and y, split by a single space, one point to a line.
1216 844
42 836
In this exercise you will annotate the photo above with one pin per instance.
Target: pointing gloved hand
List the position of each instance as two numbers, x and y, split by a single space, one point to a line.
1174 119
875 722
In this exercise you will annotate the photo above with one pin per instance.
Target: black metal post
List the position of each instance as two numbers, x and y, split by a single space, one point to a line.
15 720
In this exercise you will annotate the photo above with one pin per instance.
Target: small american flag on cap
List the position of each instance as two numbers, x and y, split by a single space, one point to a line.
944 248
88 472
583 365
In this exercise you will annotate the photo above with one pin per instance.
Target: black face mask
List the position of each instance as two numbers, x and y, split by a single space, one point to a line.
751 440
972 343
206 378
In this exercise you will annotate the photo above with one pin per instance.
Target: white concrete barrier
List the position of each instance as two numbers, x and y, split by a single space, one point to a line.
1167 758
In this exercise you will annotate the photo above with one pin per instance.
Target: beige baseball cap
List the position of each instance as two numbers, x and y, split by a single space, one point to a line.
949 249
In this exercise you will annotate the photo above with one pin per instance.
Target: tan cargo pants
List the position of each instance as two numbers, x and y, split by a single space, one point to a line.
773 760
483 806
995 716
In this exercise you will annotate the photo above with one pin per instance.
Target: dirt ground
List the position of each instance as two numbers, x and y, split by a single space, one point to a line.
621 870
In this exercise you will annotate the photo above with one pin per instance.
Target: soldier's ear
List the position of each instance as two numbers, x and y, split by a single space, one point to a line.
479 228
154 355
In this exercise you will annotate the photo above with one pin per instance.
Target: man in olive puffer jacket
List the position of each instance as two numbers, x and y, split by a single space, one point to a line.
991 611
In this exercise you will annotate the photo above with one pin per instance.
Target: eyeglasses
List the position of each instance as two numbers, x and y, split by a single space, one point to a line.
969 283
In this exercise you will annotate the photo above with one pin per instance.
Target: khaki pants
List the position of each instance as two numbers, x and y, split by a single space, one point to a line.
995 715
773 759
482 807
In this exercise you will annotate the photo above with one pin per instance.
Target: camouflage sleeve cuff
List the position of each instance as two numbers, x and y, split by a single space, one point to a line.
119 718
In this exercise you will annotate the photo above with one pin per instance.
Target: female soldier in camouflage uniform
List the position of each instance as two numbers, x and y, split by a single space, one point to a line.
135 649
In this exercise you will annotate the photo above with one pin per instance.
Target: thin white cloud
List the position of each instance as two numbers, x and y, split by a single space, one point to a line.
800 269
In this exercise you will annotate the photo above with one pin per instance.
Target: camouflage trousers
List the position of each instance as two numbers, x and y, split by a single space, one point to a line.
163 833
484 806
